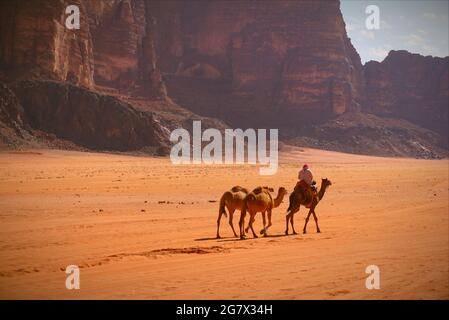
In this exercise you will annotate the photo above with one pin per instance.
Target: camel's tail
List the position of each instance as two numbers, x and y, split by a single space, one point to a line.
291 205
222 209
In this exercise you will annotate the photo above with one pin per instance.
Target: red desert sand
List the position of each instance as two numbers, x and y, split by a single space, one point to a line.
140 227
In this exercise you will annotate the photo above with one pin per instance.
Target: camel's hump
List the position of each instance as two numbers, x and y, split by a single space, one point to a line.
260 189
257 190
239 188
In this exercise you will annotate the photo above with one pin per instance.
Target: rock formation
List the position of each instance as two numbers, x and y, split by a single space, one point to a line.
124 54
248 62
275 64
89 119
34 42
412 87
13 126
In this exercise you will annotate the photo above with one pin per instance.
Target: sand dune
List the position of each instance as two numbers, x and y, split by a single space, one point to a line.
142 228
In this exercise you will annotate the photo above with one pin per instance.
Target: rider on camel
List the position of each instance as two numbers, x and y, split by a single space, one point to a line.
306 175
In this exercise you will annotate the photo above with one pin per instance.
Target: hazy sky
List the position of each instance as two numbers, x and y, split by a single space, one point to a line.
417 26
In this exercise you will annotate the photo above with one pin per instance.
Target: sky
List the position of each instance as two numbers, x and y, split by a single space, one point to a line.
417 26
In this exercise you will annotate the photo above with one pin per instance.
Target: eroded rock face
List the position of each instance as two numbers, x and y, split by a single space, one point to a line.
274 64
95 121
124 54
34 42
251 61
11 112
412 87
114 46
13 125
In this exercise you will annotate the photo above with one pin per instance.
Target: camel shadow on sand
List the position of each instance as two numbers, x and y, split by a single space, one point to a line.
234 239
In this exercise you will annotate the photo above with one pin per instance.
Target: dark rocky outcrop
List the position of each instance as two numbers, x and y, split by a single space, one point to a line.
410 86
89 119
13 127
369 134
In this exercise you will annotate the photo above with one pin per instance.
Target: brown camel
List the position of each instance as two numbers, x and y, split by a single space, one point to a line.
232 200
298 197
260 200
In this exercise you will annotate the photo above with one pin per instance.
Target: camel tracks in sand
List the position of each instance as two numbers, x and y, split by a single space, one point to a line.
20 271
156 253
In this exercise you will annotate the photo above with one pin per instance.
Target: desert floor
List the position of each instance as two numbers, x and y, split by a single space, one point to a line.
141 227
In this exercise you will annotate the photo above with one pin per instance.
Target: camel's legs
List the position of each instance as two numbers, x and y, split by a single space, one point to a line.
231 216
251 221
264 219
289 217
293 227
218 224
269 220
242 224
265 229
316 221
247 228
307 220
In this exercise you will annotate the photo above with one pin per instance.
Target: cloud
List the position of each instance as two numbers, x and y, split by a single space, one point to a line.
378 53
385 25
367 34
414 39
432 51
429 15
352 24
423 32
349 27
421 45
435 17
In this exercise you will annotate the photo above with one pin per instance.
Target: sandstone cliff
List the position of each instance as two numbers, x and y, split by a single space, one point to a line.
278 64
124 53
34 42
113 47
259 63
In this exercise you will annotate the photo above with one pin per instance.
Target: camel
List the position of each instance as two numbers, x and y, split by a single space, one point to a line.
232 200
297 198
260 200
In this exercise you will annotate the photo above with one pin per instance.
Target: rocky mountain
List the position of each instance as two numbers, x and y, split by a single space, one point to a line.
271 63
34 42
113 47
365 133
89 119
412 87
136 67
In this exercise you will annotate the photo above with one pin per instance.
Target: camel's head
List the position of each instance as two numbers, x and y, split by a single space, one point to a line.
326 182
282 191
